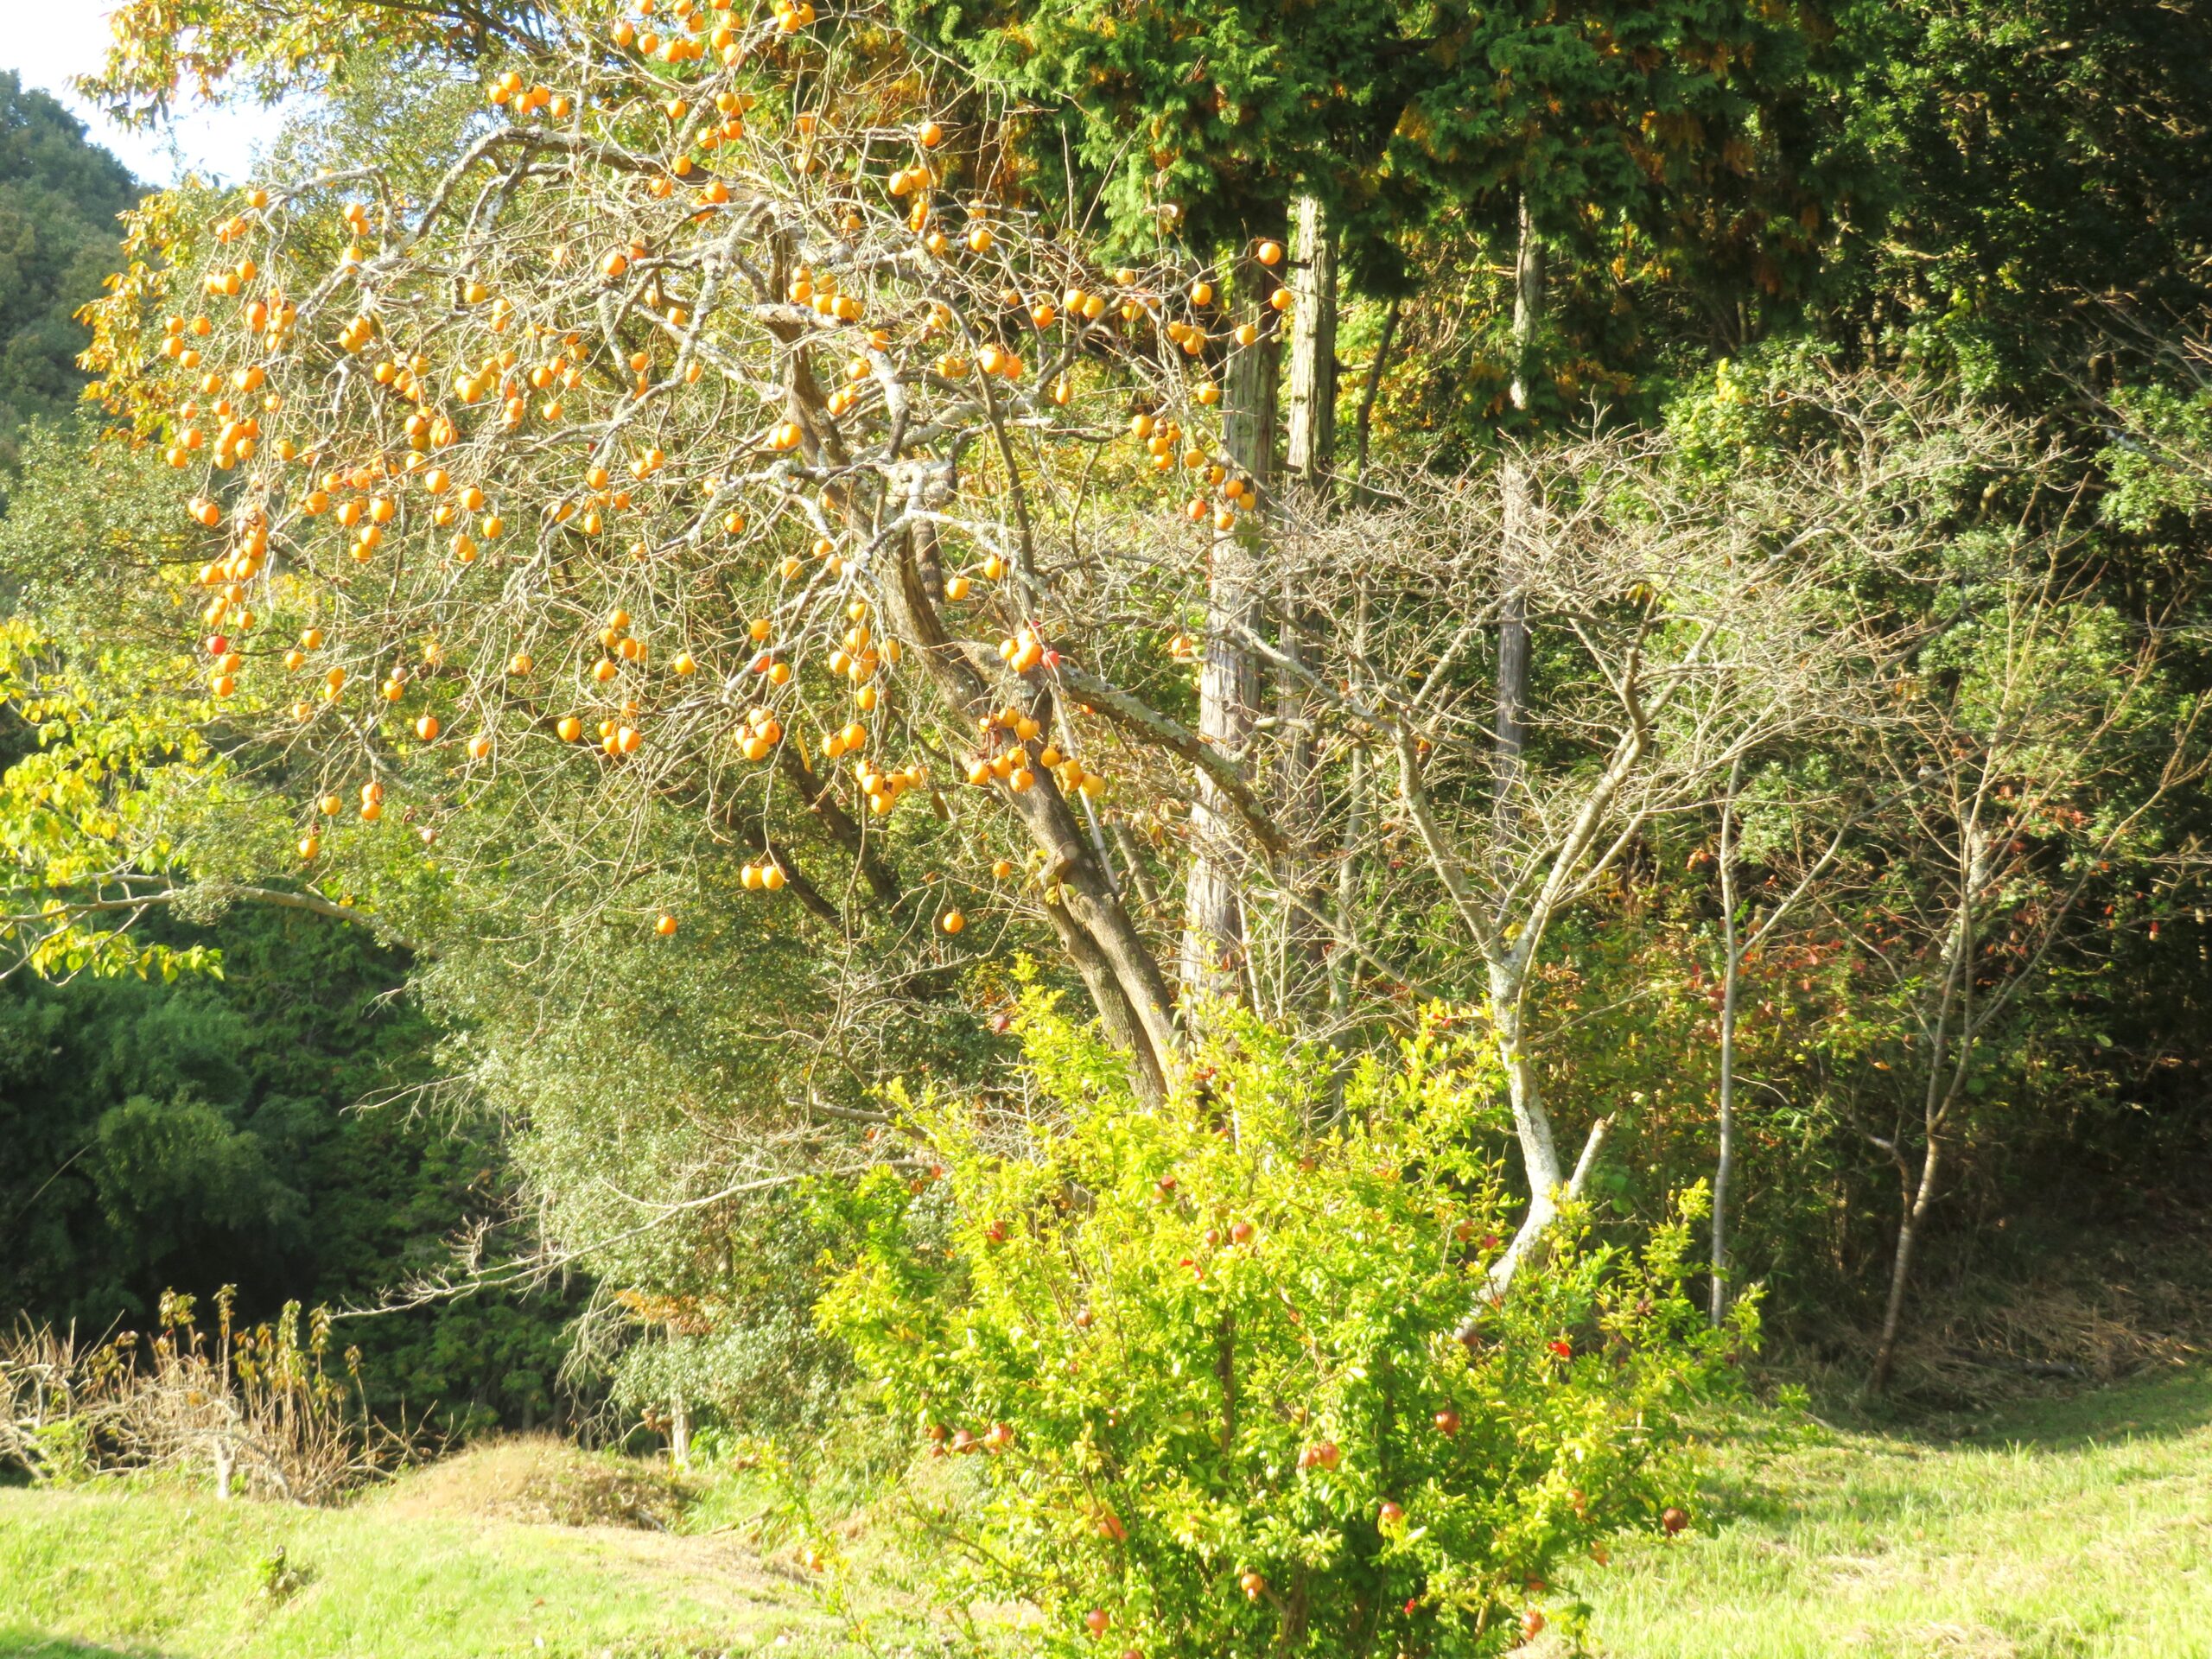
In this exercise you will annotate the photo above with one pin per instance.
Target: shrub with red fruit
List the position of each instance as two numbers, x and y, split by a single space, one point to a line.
1249 1458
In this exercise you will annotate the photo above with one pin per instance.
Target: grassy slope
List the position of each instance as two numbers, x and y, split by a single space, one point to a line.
165 1576
2081 1530
2077 1530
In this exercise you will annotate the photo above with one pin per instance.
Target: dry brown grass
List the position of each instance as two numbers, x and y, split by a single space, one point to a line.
257 1407
539 1480
2119 1306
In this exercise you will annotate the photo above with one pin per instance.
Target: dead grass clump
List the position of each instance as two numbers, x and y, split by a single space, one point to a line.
539 1480
257 1407
2016 1330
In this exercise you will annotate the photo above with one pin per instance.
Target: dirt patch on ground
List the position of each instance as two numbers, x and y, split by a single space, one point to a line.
716 1569
537 1480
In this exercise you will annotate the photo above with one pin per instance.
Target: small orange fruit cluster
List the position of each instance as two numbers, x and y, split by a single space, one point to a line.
758 737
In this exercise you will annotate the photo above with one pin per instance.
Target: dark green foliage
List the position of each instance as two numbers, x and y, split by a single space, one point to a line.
1224 110
187 1136
2028 158
1671 147
59 198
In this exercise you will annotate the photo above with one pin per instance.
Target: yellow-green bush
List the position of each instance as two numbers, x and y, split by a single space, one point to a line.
1227 1377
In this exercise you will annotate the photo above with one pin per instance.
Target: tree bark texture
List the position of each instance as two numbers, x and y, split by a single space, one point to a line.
1229 682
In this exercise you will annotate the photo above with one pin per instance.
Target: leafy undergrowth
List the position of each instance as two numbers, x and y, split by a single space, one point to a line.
2075 1528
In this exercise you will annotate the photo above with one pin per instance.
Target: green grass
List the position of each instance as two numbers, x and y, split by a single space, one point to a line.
2077 1530
161 1575
2081 1529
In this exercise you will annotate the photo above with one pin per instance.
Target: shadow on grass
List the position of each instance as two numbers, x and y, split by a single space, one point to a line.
19 1643
2162 1407
1781 1481
2158 1406
2161 1402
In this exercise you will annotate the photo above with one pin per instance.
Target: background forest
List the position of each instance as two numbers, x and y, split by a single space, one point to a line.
711 713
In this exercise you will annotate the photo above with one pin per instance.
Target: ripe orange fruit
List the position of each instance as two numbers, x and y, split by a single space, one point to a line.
665 926
479 748
569 728
427 728
952 921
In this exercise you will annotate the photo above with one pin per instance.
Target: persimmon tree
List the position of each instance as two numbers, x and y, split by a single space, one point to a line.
167 50
693 377
699 439
1596 147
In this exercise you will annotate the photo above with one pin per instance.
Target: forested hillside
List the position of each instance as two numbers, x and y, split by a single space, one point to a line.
260 1126
60 200
1304 771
